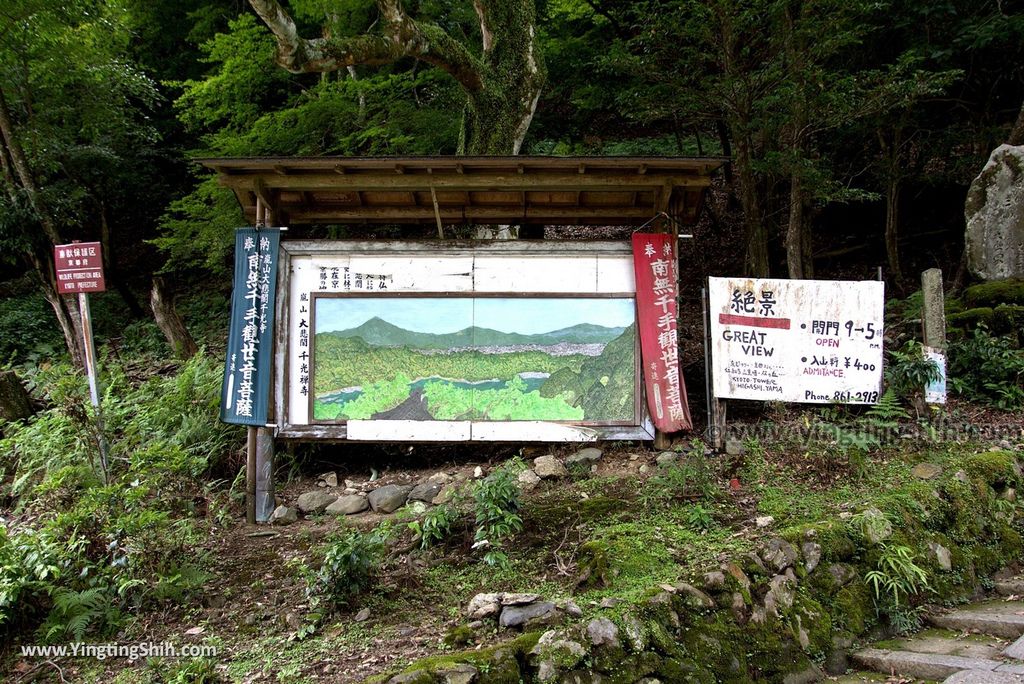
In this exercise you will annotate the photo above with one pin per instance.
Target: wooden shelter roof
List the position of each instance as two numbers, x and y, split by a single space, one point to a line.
480 190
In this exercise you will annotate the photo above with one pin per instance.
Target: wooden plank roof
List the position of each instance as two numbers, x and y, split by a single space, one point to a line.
479 190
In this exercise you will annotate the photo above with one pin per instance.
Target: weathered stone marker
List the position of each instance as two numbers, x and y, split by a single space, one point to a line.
995 217
933 310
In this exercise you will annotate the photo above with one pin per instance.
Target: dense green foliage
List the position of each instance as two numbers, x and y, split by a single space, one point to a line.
106 543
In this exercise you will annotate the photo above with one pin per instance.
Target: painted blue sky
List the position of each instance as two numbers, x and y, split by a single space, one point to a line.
445 315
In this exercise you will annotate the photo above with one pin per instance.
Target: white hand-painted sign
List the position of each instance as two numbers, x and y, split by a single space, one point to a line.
813 341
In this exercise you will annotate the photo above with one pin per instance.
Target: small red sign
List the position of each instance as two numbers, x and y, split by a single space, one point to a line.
79 268
654 262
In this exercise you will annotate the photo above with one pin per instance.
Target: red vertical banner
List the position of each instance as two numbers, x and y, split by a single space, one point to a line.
657 288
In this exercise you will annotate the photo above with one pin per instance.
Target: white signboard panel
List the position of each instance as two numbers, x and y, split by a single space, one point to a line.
812 341
357 313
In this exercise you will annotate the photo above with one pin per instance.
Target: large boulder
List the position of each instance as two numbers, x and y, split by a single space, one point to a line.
315 501
389 498
995 217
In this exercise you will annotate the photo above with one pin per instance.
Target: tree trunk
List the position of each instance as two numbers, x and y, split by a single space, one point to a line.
113 273
795 229
169 320
892 223
14 400
756 232
64 306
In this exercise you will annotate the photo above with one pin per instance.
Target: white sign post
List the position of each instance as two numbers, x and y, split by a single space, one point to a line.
808 341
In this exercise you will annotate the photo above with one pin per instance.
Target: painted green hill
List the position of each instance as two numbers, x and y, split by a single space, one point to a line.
379 333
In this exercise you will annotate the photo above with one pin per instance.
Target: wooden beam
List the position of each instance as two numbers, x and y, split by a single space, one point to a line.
280 170
264 194
498 182
458 213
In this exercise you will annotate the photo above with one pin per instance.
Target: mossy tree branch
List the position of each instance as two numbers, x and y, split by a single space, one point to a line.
502 85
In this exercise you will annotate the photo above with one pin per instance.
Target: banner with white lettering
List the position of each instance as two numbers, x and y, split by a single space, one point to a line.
654 263
245 395
813 341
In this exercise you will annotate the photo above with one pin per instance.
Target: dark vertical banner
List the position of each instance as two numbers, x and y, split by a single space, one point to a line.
657 288
245 395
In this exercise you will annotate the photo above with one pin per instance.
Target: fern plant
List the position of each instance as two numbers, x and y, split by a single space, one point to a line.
75 613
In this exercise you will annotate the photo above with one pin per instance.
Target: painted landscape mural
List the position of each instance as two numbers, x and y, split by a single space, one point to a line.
461 358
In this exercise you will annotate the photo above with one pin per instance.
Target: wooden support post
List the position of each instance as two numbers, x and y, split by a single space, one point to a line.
250 476
933 314
264 476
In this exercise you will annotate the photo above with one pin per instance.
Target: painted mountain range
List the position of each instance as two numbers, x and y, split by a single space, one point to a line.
380 333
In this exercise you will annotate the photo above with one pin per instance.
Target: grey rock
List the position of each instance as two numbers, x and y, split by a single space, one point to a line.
284 515
572 610
478 472
315 501
389 498
425 491
737 573
1015 650
781 593
484 605
549 467
779 554
635 633
812 555
764 520
292 620
995 217
667 458
330 478
588 455
983 677
805 676
363 615
348 504
644 469
876 527
528 480
842 574
610 602
694 596
603 632
513 599
926 471
738 607
941 555
440 477
460 673
837 662
714 581
542 612
553 654
446 495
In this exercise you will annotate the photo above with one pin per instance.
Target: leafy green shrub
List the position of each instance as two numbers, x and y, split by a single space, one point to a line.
29 325
496 502
909 370
436 526
75 612
348 566
987 368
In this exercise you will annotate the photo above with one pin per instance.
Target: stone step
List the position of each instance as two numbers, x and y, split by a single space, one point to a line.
1011 587
998 618
936 666
947 642
864 677
984 677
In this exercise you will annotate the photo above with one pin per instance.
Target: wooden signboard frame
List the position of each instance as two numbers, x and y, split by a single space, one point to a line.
609 264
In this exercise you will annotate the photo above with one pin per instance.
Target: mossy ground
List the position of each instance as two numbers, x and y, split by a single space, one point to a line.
632 530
